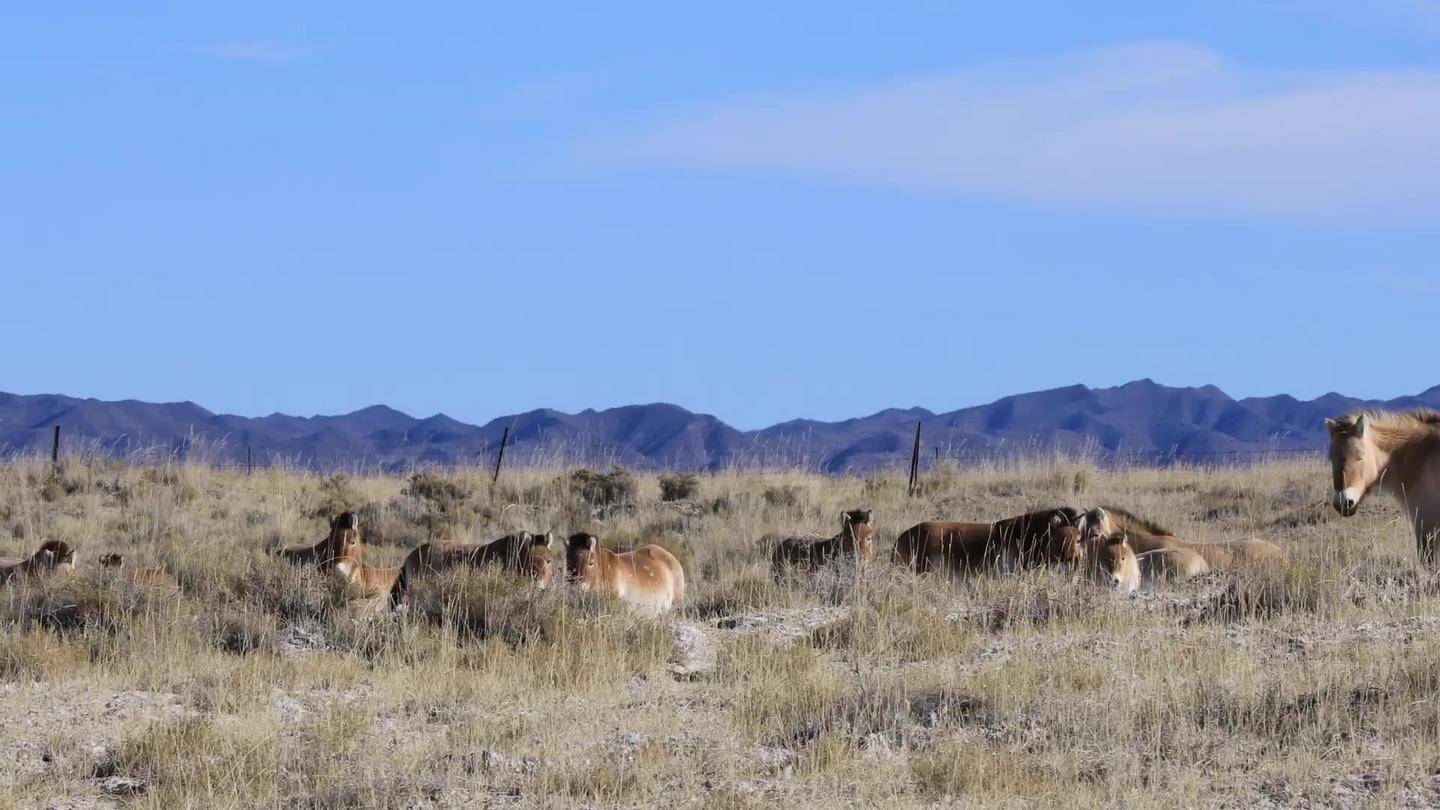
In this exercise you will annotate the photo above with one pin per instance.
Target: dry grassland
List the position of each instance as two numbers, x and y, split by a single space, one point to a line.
257 685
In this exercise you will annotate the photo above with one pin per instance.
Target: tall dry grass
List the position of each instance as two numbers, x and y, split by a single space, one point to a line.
1311 682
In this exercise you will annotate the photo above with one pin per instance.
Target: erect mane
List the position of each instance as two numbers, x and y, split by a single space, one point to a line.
1134 522
1393 419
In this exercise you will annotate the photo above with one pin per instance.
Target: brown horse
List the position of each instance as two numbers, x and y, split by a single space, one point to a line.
525 554
1025 541
856 542
350 564
648 578
52 557
1398 453
344 528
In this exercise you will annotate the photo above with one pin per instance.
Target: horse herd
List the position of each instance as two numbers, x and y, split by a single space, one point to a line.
1394 452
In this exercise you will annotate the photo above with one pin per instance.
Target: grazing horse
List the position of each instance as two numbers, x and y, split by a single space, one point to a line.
1398 453
856 541
345 528
52 556
1110 562
525 554
648 578
961 549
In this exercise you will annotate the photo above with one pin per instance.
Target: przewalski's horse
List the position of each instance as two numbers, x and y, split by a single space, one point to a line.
648 578
344 528
855 542
1398 453
524 554
52 557
1110 562
350 564
1146 537
1141 533
1045 537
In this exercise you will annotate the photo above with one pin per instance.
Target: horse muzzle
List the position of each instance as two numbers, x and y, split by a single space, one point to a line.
1345 502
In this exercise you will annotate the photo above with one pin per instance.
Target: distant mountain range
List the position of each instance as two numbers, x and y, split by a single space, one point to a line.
1139 421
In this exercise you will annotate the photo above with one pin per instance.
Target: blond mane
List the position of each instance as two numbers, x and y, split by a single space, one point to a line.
1393 428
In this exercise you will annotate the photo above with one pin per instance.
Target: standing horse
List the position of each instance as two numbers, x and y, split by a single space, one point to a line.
1398 453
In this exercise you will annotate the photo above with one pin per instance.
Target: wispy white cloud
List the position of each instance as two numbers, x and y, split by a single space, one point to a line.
1153 127
259 51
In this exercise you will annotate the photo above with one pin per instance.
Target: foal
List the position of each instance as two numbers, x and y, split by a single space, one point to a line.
1398 453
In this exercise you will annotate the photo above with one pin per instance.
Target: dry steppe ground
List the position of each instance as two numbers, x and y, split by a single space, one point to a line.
1312 683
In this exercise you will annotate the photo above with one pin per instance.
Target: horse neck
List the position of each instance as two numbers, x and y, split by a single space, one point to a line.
1402 459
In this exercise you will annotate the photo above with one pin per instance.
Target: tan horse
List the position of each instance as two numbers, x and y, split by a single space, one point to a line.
963 549
1398 453
344 528
856 541
1246 553
349 563
52 557
1171 565
1110 562
1142 534
1146 538
648 578
525 554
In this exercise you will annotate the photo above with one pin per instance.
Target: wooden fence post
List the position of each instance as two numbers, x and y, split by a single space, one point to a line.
500 459
55 448
915 462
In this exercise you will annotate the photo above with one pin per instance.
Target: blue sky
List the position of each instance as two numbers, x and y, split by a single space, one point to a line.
818 210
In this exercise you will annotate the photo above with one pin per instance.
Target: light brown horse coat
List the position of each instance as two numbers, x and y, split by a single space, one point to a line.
1398 453
1147 538
648 578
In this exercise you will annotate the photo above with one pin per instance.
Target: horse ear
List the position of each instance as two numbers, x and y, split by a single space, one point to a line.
592 544
1332 425
867 513
526 537
549 539
1360 424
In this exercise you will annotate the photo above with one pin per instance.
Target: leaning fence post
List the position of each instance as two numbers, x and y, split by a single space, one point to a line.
55 448
915 461
500 459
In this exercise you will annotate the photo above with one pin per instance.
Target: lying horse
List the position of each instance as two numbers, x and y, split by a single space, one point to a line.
349 563
855 542
324 553
648 578
154 577
1017 543
52 557
1110 562
1398 453
1178 560
525 554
